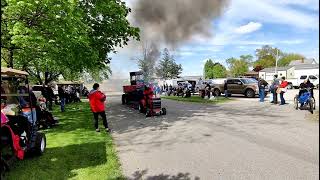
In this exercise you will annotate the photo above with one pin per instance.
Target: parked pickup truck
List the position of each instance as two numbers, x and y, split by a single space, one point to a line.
245 86
295 83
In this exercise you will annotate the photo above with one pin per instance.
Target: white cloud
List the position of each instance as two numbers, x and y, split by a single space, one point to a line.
248 28
272 12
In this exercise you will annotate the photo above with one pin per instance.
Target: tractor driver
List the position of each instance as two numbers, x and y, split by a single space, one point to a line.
148 94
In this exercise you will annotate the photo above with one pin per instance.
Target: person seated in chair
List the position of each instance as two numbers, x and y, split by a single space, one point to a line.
304 85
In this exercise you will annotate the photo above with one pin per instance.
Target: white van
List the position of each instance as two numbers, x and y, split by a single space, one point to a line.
295 83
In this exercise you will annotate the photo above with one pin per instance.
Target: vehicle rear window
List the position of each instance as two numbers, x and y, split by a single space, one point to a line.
303 77
312 77
230 81
249 81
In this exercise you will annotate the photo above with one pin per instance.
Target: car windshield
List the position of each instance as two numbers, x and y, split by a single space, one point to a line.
249 81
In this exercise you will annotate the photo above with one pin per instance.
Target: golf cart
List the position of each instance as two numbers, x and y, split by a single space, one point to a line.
19 133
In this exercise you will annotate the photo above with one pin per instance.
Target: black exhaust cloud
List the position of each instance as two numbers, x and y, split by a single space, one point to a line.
173 22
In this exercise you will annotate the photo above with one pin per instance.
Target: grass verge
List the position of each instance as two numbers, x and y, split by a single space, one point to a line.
197 99
74 151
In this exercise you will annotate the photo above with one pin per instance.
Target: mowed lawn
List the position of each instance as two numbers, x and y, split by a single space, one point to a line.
74 151
197 99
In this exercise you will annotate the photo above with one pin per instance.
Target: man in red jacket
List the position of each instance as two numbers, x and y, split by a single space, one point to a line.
282 90
97 100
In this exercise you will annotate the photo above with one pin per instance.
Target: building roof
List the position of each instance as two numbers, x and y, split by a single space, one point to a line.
252 73
306 66
190 77
302 61
272 69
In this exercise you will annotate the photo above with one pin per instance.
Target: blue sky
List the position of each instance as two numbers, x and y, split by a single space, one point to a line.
291 25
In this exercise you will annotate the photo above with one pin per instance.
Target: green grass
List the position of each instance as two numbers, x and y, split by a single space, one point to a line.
197 99
74 151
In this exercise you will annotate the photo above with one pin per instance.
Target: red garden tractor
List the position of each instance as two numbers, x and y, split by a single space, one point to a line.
141 97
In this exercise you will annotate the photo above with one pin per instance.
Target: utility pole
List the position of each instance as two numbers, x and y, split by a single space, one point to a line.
277 58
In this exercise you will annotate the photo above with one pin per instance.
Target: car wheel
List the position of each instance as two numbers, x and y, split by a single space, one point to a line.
250 93
217 92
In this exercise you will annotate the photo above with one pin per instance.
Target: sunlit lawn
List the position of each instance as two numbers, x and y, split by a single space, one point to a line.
197 99
74 151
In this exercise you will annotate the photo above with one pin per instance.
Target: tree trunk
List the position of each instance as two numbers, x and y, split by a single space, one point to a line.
10 58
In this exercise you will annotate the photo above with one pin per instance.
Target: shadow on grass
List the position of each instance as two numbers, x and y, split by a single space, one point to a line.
139 175
59 162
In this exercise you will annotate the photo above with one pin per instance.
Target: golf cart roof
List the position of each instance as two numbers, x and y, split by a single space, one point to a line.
12 72
69 82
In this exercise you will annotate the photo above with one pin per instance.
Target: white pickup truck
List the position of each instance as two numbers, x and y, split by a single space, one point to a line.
295 83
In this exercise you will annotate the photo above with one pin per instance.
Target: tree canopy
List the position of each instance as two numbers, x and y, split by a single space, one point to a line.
168 68
266 56
64 38
214 70
239 66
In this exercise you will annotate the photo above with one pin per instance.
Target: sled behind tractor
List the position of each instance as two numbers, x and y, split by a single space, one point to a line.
139 96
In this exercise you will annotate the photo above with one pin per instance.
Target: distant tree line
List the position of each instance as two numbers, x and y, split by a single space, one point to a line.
265 57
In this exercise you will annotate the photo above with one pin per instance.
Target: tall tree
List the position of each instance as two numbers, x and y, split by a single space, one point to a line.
239 66
207 68
147 62
63 37
266 56
168 68
214 70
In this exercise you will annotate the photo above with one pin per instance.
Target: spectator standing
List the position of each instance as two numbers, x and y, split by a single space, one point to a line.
62 96
262 86
274 86
50 97
97 100
282 90
225 87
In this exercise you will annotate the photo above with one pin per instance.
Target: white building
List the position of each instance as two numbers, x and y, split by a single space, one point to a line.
290 72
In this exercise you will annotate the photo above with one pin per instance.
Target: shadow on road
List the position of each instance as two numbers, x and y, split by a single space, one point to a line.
139 175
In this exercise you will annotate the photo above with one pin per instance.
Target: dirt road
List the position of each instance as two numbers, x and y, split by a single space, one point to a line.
242 139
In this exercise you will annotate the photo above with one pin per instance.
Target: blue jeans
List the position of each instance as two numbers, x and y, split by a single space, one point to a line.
31 116
226 93
62 104
261 94
283 101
